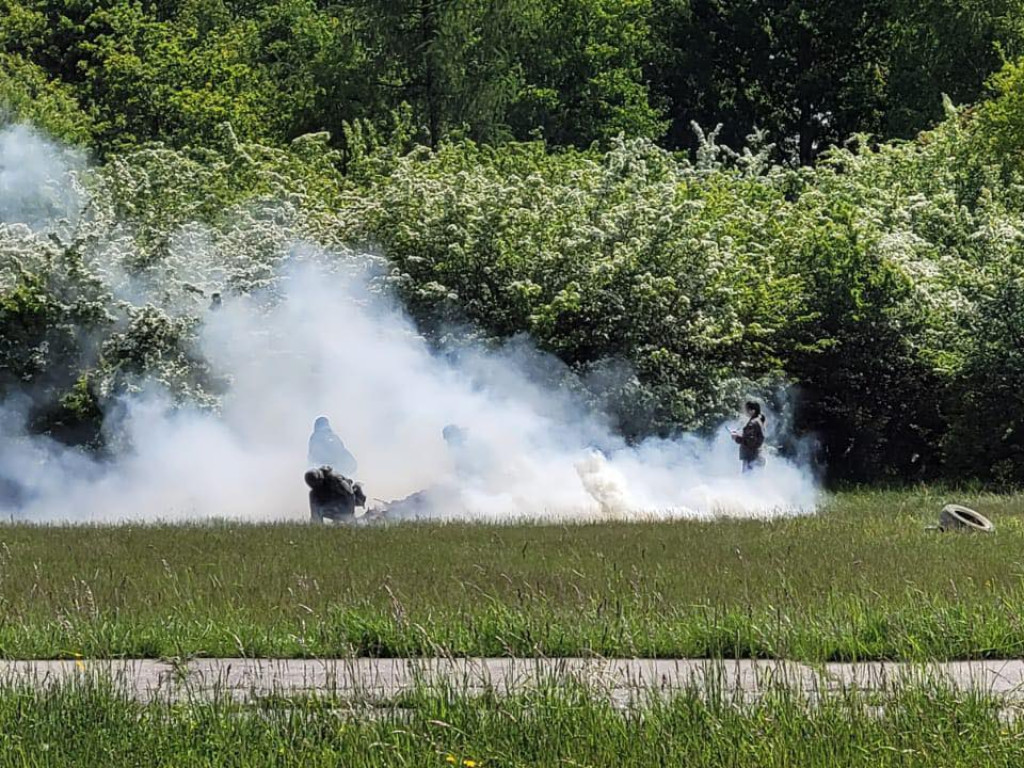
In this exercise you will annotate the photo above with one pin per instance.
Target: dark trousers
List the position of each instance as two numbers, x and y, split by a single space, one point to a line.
749 465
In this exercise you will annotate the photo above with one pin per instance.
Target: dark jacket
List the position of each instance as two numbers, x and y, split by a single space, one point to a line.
751 439
332 495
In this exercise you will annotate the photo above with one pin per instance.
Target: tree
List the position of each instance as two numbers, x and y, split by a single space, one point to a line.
28 94
946 47
809 73
451 60
175 81
583 71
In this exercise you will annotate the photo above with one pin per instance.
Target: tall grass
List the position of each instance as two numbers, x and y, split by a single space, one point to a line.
93 723
863 579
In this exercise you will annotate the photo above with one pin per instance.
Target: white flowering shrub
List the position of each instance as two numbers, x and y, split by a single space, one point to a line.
109 299
884 285
859 281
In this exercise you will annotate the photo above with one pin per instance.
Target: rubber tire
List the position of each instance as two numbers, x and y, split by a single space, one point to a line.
955 517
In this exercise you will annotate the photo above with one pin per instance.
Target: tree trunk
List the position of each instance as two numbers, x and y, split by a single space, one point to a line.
428 35
808 132
805 86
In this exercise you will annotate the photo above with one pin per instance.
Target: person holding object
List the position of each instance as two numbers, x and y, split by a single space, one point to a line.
751 438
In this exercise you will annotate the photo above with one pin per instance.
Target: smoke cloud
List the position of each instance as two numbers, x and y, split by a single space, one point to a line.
36 187
323 338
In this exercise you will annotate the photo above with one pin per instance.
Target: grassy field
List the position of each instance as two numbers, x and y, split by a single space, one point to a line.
861 580
90 723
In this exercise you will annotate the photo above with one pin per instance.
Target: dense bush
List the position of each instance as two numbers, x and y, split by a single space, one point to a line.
880 284
98 299
883 286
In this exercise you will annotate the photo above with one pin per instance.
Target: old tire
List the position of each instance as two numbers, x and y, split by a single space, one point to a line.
955 517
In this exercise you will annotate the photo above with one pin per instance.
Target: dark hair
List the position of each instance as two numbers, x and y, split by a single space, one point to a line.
755 407
314 478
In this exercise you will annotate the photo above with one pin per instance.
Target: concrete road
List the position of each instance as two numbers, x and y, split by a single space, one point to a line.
623 680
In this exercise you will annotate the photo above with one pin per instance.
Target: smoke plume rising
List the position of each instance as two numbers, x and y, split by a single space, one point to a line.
322 337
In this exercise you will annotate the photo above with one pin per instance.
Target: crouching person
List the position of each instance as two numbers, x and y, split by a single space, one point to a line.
333 496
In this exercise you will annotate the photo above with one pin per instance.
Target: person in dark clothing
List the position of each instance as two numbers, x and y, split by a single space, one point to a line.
332 496
751 438
326 448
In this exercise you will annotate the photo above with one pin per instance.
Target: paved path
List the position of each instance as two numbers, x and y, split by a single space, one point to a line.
381 679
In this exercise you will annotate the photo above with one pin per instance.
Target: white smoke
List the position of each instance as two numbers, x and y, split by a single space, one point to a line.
36 188
326 341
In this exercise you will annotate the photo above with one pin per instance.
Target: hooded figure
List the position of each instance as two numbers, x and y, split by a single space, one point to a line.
326 449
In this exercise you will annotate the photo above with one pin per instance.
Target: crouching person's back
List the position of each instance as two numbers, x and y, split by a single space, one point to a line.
332 496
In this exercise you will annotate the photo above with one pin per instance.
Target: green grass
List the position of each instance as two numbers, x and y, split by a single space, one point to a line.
90 723
861 580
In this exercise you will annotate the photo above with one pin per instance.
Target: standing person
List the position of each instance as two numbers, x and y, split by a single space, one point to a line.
751 438
464 460
326 449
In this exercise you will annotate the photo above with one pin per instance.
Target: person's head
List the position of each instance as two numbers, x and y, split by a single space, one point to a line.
321 423
314 478
753 409
454 434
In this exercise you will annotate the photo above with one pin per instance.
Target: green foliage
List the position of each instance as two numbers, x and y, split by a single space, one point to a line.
987 434
813 73
673 286
583 79
946 47
174 80
28 95
46 308
615 257
489 71
571 72
808 72
155 344
1001 121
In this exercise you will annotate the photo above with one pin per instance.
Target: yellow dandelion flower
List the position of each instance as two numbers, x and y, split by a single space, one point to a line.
452 759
